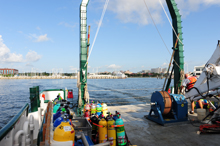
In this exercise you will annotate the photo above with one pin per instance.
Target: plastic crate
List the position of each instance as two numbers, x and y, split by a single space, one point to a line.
82 125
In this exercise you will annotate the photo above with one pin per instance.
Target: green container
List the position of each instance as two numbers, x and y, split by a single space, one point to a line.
55 108
38 99
32 90
34 98
33 101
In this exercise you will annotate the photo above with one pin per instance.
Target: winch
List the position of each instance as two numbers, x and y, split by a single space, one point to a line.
168 108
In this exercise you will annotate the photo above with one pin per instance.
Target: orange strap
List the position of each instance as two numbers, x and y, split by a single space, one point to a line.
97 125
111 125
95 110
117 125
71 123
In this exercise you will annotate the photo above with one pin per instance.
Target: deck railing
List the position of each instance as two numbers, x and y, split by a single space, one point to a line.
8 127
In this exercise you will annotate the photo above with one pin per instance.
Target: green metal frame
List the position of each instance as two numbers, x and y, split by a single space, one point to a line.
4 131
34 98
178 56
83 50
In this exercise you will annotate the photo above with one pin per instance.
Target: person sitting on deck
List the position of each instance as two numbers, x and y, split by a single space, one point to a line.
188 83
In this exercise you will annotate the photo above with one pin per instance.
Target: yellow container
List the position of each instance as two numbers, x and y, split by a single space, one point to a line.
111 132
102 131
104 109
64 132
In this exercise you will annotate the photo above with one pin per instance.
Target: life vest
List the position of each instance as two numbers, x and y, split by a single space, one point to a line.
192 82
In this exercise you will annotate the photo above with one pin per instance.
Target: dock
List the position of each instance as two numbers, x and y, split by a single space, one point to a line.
143 132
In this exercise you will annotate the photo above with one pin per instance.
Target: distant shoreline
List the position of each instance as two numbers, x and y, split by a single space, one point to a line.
48 77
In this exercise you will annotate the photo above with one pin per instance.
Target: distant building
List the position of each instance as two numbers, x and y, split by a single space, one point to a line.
198 70
128 72
164 70
156 70
144 71
8 71
120 75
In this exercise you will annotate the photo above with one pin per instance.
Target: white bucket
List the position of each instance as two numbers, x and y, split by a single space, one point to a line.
201 114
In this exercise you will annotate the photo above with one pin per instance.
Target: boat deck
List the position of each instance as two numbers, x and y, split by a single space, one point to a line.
143 132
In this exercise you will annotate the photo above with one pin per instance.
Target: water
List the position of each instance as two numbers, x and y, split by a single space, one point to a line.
15 93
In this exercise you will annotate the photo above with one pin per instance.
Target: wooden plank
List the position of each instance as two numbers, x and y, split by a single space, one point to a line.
42 143
44 131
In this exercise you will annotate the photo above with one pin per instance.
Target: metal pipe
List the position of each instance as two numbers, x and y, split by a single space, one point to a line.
32 127
26 129
200 97
16 139
211 104
170 63
84 140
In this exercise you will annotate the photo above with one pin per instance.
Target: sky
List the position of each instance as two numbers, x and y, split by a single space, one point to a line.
41 35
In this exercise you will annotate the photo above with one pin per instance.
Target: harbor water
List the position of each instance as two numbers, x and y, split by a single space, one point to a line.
15 93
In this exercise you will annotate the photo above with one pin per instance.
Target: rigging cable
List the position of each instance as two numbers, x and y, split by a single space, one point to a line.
99 25
160 34
170 22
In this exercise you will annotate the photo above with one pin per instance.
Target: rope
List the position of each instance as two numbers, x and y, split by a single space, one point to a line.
79 98
99 25
159 33
170 22
156 27
86 94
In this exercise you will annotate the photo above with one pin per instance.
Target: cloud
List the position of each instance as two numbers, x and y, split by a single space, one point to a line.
41 38
32 56
28 64
113 66
135 11
38 28
67 24
164 64
188 6
6 55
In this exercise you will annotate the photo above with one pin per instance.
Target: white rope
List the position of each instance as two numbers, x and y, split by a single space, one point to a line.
170 22
156 27
160 34
99 25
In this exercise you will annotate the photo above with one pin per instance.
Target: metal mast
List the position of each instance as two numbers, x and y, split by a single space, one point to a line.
178 56
83 53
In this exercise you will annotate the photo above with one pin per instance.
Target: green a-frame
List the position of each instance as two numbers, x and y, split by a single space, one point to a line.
178 67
